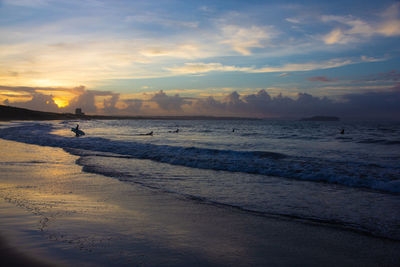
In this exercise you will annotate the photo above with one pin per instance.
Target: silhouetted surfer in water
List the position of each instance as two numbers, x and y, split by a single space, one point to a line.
342 132
150 133
77 131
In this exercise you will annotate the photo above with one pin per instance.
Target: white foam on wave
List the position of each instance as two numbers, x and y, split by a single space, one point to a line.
351 174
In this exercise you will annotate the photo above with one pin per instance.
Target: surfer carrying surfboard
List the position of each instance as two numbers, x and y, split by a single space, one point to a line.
77 131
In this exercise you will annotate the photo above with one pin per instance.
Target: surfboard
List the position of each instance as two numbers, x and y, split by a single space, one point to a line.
78 132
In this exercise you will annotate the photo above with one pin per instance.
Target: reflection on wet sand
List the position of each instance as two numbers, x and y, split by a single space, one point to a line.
108 222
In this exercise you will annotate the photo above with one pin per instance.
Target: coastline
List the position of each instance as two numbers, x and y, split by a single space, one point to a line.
89 219
8 113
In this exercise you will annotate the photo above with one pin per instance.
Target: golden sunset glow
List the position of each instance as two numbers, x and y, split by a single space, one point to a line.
60 102
208 133
200 59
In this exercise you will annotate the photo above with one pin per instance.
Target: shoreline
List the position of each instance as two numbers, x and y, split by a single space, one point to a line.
84 218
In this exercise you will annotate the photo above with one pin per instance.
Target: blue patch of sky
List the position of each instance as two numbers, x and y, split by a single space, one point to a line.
15 15
240 81
235 80
113 18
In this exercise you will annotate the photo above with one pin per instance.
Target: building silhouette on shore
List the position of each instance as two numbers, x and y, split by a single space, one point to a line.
78 111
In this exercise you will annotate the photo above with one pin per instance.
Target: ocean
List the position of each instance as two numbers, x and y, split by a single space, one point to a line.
300 170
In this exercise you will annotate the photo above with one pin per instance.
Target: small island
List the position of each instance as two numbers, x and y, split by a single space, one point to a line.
321 118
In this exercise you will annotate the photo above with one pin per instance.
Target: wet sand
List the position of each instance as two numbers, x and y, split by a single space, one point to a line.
20 242
54 213
12 257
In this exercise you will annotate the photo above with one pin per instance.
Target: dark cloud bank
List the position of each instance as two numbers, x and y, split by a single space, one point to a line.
367 105
84 99
379 105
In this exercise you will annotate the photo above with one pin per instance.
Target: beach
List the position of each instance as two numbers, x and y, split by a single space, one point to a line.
199 133
54 213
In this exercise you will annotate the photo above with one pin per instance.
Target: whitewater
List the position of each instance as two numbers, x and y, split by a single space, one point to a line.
301 170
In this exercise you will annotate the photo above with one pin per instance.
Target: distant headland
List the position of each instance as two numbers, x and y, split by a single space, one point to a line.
321 118
8 113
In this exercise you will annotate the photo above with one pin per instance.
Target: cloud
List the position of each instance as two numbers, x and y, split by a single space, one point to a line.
87 101
337 36
391 21
37 98
390 28
293 20
183 50
261 104
372 59
30 89
372 104
328 64
43 98
151 44
388 76
39 102
91 58
242 39
169 103
320 79
354 29
199 68
194 68
133 106
209 106
109 104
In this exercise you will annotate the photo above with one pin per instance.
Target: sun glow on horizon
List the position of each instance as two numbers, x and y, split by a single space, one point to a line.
61 103
208 58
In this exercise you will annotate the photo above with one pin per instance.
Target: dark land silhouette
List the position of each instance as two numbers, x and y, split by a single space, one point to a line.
8 113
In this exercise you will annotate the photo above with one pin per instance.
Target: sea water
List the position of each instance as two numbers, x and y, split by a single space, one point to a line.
299 170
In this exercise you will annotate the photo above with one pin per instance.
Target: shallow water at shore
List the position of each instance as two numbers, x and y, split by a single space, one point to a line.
97 220
356 192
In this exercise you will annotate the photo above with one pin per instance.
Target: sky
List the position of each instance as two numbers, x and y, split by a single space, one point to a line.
265 59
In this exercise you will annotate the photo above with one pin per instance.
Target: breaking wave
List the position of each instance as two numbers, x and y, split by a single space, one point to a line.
353 174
